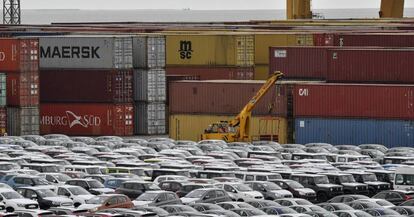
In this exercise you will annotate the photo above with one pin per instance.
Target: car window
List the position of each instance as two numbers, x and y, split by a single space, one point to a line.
165 186
171 197
175 186
210 195
62 191
27 181
286 203
394 195
162 197
344 214
31 194
112 182
220 194
381 195
228 188
83 184
249 178
18 180
112 201
341 159
261 178
121 199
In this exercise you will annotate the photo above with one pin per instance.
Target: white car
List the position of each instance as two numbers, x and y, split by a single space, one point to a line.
239 191
78 194
14 201
55 178
34 213
160 179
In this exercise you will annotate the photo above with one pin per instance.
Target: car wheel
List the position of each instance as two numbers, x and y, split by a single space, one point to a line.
9 209
76 205
322 197
240 200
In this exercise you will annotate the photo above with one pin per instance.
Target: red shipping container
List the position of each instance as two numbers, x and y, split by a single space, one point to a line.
225 97
324 39
371 65
87 119
354 101
214 73
375 39
86 86
19 55
3 120
299 62
23 88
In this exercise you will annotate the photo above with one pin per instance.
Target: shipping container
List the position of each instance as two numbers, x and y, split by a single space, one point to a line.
22 121
354 101
3 90
150 85
324 39
18 55
210 50
91 86
224 97
86 52
299 62
84 119
265 40
374 39
149 51
150 118
3 120
391 133
213 73
190 127
23 88
371 65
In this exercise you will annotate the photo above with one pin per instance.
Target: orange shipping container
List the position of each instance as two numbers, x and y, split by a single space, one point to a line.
19 55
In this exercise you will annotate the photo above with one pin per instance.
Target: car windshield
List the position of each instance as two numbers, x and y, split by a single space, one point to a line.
39 181
46 193
50 169
241 187
62 177
274 177
78 191
11 195
384 203
362 214
151 186
97 200
321 180
346 179
369 177
147 197
94 170
196 193
271 186
95 184
294 184
303 202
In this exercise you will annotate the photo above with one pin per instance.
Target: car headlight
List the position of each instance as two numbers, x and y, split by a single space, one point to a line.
94 209
302 193
331 189
379 187
356 188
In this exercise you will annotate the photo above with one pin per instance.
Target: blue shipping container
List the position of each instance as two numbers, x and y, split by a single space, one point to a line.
391 133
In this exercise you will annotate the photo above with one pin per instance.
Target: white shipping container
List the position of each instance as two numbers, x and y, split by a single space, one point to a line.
149 51
150 85
81 52
150 118
22 121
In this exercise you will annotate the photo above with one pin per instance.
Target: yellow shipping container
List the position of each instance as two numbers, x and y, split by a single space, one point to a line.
261 72
190 127
205 50
264 41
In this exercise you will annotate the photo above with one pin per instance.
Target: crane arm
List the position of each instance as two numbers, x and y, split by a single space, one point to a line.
253 102
392 9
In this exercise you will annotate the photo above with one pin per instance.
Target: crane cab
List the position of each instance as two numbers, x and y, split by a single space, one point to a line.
221 131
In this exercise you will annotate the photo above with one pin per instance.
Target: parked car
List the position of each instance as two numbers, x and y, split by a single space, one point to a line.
14 201
206 195
77 194
44 196
157 198
107 201
269 190
91 185
134 189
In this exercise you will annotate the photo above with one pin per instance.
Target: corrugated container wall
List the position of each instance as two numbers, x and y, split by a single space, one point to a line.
150 85
149 52
224 97
19 55
371 65
210 50
190 127
22 121
299 62
3 90
392 133
84 119
354 101
150 118
86 86
214 73
375 39
76 52
23 88
3 120
264 41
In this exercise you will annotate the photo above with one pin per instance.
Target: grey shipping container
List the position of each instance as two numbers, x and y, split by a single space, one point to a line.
150 118
149 52
22 121
3 92
95 52
150 85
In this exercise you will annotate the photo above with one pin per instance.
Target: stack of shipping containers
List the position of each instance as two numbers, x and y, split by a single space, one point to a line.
149 85
194 105
86 85
368 97
20 64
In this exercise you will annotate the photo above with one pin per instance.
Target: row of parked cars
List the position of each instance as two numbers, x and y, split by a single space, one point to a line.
112 176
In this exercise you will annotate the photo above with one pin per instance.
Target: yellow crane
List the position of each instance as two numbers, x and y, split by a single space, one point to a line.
237 130
301 9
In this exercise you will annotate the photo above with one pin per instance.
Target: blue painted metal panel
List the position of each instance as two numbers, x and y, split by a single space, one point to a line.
391 133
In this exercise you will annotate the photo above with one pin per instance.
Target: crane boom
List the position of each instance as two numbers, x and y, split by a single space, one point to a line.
301 9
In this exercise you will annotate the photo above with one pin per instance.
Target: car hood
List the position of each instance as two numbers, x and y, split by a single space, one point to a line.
88 206
142 203
85 196
103 190
22 201
329 186
282 192
59 199
305 190
376 183
251 193
353 184
187 200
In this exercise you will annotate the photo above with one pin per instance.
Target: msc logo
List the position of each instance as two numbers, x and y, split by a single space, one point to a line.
186 50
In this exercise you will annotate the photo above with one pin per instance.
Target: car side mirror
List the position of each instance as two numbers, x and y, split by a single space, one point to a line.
207 197
67 195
